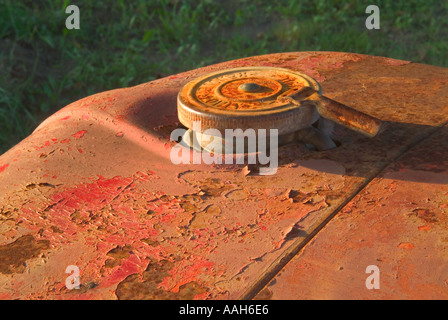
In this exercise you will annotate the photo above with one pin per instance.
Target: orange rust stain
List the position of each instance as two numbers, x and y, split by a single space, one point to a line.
406 245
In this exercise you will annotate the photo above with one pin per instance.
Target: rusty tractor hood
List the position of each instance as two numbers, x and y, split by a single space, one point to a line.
94 187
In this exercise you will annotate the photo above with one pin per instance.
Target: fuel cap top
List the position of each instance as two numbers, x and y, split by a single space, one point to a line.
247 97
264 98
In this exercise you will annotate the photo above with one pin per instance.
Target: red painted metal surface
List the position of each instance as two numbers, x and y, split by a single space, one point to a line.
397 223
94 187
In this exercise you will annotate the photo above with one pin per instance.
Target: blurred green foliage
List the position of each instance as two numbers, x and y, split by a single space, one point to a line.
45 66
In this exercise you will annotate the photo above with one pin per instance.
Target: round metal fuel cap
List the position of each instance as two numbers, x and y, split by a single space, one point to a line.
246 97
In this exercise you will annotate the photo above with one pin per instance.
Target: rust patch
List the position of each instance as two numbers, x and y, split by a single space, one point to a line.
150 242
56 229
424 214
117 254
147 285
14 255
213 187
238 194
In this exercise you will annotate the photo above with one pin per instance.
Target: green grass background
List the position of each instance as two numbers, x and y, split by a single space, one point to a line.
44 66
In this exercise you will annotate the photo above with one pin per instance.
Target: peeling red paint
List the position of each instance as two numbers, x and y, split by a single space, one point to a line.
213 231
127 267
79 134
184 272
3 167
